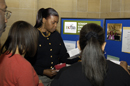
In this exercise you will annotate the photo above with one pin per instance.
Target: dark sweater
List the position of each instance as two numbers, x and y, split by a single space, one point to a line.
73 76
51 51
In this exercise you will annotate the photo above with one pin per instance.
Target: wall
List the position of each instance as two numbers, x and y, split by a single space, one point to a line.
27 9
89 8
21 10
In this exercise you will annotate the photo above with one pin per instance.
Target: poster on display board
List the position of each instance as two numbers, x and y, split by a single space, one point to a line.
114 31
73 27
70 27
126 40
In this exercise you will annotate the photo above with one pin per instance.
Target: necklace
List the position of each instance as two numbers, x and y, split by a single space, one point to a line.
43 34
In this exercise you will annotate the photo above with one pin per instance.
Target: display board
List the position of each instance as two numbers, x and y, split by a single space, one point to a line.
117 35
118 38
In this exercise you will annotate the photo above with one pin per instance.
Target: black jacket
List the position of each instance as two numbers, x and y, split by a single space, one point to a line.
51 51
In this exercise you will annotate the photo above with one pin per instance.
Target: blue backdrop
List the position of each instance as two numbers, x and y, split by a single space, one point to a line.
114 48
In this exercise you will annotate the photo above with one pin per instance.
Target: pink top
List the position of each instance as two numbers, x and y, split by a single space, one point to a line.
17 71
111 37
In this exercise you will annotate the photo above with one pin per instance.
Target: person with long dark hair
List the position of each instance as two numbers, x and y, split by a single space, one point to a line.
51 49
15 70
94 69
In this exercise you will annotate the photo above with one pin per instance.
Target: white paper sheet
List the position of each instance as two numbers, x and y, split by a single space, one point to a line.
126 40
113 59
69 44
74 53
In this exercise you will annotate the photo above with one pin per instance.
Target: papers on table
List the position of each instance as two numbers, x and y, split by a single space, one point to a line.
113 59
74 53
70 44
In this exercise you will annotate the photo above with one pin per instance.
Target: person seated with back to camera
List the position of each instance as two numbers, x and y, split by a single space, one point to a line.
94 69
15 70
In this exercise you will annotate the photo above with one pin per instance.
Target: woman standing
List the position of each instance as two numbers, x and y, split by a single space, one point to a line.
51 49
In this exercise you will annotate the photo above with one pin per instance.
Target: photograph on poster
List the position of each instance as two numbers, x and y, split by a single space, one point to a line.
70 27
114 31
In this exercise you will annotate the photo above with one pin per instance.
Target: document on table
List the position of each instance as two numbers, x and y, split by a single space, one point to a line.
70 44
113 59
74 53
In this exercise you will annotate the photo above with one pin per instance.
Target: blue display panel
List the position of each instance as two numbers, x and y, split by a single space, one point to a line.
114 47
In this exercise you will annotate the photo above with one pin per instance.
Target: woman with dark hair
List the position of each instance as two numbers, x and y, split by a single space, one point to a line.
15 70
94 69
111 36
51 49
